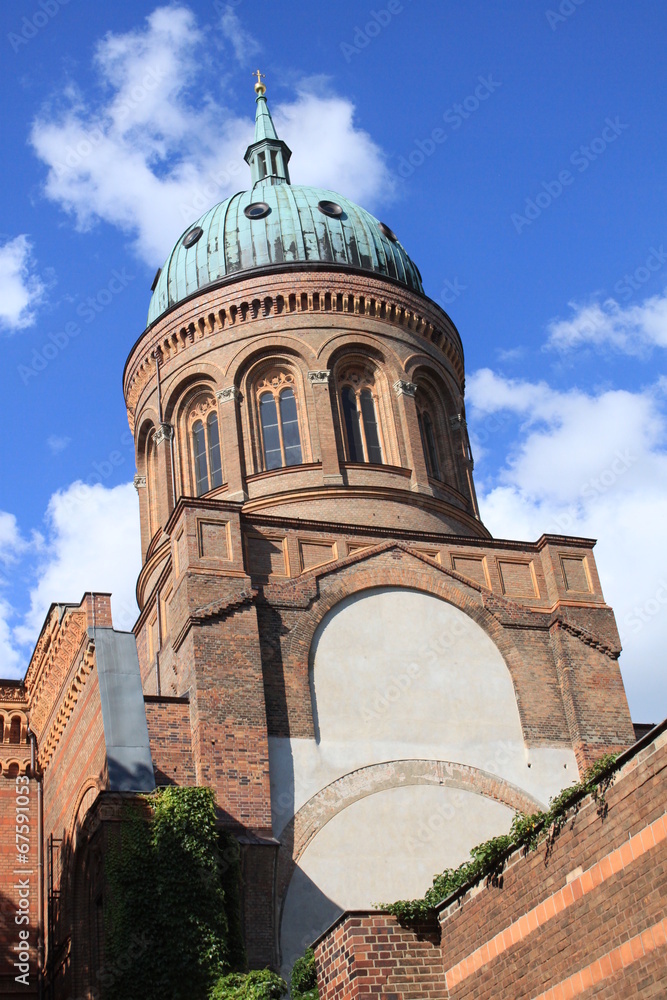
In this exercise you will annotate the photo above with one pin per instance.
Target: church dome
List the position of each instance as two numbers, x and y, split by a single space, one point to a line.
276 224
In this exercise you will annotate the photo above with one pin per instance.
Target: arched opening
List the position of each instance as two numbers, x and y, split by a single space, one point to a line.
15 730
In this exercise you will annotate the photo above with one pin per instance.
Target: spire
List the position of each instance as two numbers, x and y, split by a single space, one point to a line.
268 155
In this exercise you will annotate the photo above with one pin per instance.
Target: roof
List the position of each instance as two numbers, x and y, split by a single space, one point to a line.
277 224
294 229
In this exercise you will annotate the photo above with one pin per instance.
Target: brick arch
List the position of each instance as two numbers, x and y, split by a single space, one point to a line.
366 572
252 352
335 797
82 805
343 340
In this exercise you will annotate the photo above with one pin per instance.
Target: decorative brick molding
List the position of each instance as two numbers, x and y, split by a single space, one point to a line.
402 388
228 395
319 378
165 432
239 302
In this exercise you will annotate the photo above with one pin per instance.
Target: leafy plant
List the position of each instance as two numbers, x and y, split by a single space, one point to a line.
167 925
487 860
304 978
265 985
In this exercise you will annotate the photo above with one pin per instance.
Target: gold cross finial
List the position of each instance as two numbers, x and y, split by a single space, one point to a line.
259 86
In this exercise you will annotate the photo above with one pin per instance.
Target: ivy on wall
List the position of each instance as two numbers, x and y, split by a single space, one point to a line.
173 922
487 860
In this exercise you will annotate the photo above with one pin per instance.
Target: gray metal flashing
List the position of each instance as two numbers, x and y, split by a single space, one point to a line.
129 761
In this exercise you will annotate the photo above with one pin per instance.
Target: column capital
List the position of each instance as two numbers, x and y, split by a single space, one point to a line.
319 378
165 432
403 388
139 482
230 393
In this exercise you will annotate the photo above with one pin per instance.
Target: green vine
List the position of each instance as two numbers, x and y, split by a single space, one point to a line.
303 984
264 985
487 860
168 931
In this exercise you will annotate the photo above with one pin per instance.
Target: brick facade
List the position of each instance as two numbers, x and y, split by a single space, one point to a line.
236 583
587 918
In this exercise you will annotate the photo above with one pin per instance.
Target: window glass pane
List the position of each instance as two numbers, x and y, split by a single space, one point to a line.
199 449
371 427
431 448
291 439
214 459
351 417
427 458
270 435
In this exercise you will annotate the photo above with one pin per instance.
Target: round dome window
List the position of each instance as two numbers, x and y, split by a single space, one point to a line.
191 238
330 208
389 233
256 210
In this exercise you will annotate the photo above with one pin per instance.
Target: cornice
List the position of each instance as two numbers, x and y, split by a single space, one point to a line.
328 293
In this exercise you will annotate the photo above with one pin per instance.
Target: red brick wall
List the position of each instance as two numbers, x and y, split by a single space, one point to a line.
589 919
9 888
170 740
371 955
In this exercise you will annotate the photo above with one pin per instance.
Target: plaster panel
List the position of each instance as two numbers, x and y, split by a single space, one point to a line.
384 847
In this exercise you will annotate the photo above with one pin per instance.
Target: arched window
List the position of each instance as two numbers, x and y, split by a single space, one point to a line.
2 729
429 444
279 421
15 730
358 403
205 444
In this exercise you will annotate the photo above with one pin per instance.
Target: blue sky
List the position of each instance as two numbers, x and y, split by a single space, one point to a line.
516 148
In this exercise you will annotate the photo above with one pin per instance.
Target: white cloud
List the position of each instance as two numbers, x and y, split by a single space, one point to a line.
21 290
595 466
56 444
633 330
243 43
92 544
157 148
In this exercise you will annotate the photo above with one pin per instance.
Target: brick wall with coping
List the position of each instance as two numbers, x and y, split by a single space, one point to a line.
585 918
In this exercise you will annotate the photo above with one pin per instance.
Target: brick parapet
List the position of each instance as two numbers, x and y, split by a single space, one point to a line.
586 916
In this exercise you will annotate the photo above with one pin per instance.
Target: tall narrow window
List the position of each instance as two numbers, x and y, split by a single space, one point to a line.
429 444
215 461
279 419
205 442
15 730
360 418
2 729
355 448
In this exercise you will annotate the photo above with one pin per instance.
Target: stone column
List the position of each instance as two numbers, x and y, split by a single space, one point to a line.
407 408
331 474
231 443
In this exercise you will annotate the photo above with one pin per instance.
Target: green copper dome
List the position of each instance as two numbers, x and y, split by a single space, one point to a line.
287 224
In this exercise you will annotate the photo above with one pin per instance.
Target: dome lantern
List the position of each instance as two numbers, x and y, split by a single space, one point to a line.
268 155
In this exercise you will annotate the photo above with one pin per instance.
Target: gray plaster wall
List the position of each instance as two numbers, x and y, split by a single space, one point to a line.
400 675
129 761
